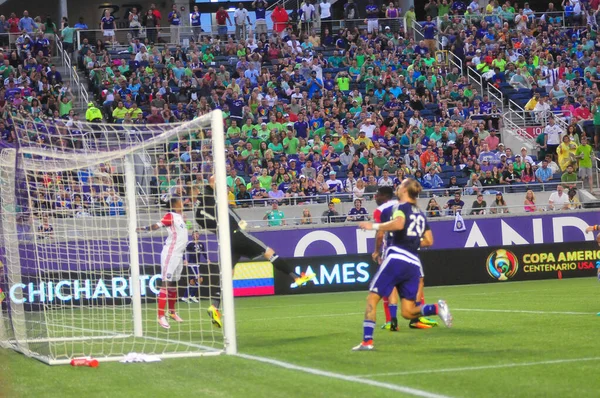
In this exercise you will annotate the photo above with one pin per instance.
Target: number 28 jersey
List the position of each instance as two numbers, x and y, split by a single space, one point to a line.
415 226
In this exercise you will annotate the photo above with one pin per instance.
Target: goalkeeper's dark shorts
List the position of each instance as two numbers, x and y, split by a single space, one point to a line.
245 245
191 271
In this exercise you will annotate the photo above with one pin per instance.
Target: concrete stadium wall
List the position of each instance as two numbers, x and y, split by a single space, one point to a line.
115 227
253 215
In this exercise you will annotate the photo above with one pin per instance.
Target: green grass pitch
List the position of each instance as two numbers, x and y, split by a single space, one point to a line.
525 339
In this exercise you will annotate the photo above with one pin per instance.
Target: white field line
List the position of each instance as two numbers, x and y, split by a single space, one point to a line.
523 311
484 367
243 307
353 379
451 309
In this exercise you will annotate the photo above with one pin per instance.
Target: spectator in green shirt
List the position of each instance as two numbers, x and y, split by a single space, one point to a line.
443 8
233 180
380 160
290 143
254 140
569 176
6 69
247 151
264 132
265 180
119 112
584 155
248 127
275 216
335 60
482 67
273 125
343 81
67 37
596 112
276 146
65 101
338 146
233 132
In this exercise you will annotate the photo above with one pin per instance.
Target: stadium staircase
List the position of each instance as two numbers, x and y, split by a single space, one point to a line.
67 67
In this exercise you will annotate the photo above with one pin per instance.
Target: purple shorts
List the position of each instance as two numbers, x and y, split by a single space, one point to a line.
399 270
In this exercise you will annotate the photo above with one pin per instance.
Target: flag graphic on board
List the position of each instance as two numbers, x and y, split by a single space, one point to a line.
459 223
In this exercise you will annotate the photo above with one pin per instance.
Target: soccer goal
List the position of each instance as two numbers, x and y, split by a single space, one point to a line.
77 279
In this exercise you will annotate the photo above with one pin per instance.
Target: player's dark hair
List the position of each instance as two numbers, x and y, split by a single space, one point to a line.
174 201
386 192
413 188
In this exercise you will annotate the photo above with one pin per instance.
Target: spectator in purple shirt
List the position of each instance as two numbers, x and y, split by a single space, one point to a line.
357 213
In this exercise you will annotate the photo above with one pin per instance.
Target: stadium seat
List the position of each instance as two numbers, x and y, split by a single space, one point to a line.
536 187
518 187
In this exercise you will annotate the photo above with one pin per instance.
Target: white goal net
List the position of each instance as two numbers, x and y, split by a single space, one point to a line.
77 279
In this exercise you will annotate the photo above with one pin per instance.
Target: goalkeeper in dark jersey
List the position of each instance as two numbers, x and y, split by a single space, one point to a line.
242 245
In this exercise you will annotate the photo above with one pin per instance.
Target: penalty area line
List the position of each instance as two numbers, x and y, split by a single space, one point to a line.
506 311
523 311
484 367
353 379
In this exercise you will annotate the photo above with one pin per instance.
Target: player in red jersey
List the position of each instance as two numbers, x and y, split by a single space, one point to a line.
171 259
383 198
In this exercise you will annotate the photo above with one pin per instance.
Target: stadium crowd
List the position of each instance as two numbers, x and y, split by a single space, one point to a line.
321 116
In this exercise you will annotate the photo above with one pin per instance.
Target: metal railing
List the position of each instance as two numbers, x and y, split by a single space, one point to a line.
7 41
495 94
526 118
416 30
516 113
184 34
284 3
454 60
468 211
476 78
511 209
519 132
557 17
394 24
165 34
348 198
82 96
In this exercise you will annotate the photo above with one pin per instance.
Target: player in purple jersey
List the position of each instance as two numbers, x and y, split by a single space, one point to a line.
421 322
401 267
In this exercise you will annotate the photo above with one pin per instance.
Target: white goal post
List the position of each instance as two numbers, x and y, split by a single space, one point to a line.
76 277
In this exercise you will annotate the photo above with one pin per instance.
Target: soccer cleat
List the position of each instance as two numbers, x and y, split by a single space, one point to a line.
194 299
304 279
428 321
444 313
215 315
418 325
185 299
162 321
175 317
386 326
394 325
364 346
422 323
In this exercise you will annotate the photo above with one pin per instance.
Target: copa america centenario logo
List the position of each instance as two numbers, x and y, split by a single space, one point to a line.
502 264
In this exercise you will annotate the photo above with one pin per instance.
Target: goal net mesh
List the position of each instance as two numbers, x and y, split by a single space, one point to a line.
70 193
